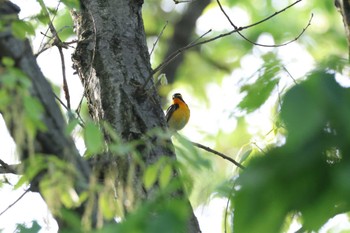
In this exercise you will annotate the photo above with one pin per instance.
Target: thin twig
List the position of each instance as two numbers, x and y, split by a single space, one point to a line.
61 102
65 84
80 104
172 57
59 44
219 154
77 111
158 37
183 1
193 42
200 37
274 14
289 74
42 45
255 144
81 121
264 45
179 51
6 168
17 200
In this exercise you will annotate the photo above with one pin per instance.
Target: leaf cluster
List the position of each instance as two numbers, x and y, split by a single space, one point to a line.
307 175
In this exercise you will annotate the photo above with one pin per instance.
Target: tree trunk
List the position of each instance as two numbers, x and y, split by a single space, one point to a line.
113 63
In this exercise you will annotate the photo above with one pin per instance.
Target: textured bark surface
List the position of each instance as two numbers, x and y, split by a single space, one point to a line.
113 63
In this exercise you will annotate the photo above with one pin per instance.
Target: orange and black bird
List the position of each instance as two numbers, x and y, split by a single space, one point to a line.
178 114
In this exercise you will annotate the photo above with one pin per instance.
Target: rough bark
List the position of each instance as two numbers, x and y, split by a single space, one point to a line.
53 140
113 63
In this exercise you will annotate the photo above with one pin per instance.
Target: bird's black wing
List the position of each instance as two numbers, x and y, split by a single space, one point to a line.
170 111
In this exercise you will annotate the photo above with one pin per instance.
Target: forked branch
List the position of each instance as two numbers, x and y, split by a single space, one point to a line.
236 29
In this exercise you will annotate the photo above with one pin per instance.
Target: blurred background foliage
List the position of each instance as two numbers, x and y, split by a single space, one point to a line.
235 90
280 111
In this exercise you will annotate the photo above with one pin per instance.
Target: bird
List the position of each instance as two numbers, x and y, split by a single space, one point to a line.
178 113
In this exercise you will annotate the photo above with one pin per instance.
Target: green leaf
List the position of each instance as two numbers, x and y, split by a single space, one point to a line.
307 106
33 116
35 228
64 24
107 204
67 199
7 61
72 124
150 175
34 165
165 175
186 151
259 91
306 174
93 139
245 155
72 4
21 29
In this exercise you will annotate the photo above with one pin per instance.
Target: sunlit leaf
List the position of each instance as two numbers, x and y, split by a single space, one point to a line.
33 115
258 92
298 175
7 61
245 155
150 176
64 24
34 165
71 126
165 175
93 139
72 4
21 29
107 204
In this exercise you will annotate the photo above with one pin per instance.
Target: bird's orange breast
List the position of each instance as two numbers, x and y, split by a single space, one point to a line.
180 116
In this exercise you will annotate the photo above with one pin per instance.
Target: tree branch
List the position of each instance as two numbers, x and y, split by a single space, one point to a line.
59 44
6 168
219 154
264 45
14 203
172 56
158 37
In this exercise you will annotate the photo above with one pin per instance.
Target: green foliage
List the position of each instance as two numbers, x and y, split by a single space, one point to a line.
17 102
57 186
72 4
94 140
64 24
21 228
21 29
260 90
35 165
161 215
306 174
150 175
